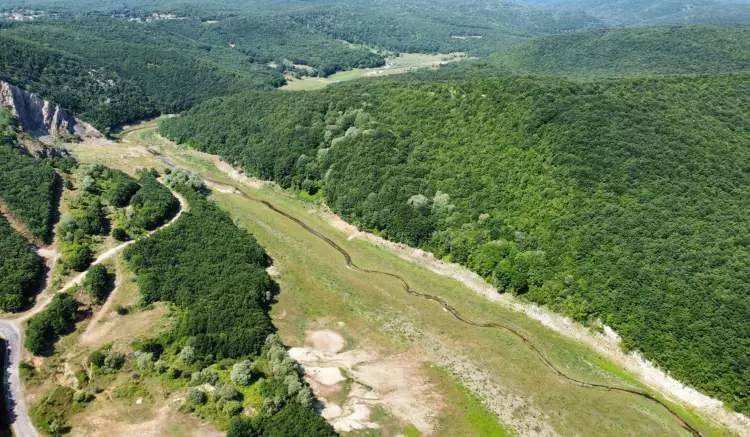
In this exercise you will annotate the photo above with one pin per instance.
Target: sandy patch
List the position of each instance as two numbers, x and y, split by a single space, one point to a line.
325 341
237 175
395 383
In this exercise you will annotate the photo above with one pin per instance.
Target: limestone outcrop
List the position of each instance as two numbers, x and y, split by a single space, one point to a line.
40 117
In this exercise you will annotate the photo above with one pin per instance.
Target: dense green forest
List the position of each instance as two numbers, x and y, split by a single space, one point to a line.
140 69
97 94
21 269
478 27
655 12
28 186
111 71
618 52
208 267
619 200
214 274
277 39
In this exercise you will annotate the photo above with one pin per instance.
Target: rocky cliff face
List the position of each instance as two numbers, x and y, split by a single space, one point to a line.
40 117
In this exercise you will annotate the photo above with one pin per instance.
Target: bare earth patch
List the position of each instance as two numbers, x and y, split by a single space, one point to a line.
131 421
351 383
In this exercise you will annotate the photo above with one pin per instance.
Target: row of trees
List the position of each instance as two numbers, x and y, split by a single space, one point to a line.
618 200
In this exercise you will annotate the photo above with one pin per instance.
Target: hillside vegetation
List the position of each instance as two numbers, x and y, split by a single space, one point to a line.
21 269
654 12
618 200
617 52
111 71
27 185
214 274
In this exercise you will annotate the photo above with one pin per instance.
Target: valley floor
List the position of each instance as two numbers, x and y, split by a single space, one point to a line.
394 362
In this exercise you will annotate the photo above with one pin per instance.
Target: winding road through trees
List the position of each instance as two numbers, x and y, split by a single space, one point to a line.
11 329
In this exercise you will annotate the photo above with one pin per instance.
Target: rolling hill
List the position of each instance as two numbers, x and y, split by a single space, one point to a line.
636 51
612 200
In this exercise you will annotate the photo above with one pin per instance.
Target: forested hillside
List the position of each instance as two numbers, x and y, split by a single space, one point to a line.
117 62
27 185
27 188
111 71
478 27
306 27
618 52
619 200
653 12
21 269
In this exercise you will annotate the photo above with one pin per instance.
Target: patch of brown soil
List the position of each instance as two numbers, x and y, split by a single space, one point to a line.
137 421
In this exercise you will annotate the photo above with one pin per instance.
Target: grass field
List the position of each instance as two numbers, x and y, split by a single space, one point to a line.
403 63
480 375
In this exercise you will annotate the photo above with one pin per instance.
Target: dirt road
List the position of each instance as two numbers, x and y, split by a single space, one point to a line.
12 331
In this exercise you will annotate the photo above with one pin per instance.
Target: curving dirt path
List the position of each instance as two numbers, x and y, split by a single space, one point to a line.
12 331
456 314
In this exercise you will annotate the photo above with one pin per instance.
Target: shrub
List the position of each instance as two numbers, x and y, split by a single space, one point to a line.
243 373
232 408
120 234
151 346
52 411
144 360
122 192
91 218
78 257
82 396
197 396
228 393
113 361
187 355
97 358
98 283
153 204
205 376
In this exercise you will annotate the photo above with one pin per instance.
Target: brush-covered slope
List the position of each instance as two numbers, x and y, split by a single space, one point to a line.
655 50
26 188
27 185
620 200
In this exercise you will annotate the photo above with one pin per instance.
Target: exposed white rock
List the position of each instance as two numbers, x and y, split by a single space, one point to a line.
42 118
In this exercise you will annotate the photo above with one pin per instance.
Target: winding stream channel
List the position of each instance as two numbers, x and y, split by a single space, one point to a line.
457 315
